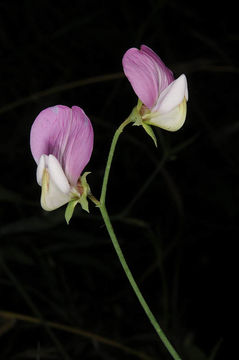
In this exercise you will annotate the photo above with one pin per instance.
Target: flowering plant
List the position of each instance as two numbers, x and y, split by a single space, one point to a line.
62 141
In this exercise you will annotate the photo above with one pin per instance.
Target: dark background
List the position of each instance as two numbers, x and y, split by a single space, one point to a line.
174 208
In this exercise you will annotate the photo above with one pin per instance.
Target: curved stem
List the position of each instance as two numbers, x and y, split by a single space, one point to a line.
135 287
118 250
110 158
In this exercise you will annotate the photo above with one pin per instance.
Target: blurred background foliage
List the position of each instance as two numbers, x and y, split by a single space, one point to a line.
174 209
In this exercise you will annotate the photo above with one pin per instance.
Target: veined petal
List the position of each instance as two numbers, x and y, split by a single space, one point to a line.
147 74
172 96
171 121
165 74
65 133
55 187
142 73
79 146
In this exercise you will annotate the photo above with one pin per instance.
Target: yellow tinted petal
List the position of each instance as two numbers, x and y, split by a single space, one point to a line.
171 121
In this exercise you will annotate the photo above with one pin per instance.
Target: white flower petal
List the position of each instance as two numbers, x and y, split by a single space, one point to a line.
172 96
57 175
171 121
52 197
40 168
56 190
186 90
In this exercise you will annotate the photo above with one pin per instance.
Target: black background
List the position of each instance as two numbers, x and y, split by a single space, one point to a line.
179 235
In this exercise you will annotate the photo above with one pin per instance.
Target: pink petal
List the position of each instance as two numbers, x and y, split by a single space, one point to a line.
65 133
147 74
165 74
143 76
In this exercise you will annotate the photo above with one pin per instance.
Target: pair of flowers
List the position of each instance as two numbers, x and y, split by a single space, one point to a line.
62 138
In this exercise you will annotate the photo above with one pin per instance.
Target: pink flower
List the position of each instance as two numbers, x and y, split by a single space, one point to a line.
163 98
61 143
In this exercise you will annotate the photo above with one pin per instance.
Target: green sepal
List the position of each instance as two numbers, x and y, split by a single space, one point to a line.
84 203
137 120
135 116
82 199
139 105
70 209
86 191
150 132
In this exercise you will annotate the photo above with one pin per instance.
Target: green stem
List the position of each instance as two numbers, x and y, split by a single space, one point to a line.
135 286
118 250
110 158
